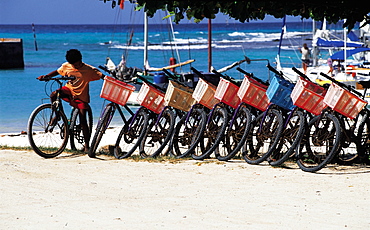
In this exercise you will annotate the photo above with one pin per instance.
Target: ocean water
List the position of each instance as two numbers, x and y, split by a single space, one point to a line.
20 92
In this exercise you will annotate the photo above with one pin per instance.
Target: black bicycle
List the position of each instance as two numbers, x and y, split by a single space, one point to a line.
49 129
341 131
134 128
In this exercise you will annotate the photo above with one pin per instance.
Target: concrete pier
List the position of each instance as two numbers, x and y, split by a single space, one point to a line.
11 53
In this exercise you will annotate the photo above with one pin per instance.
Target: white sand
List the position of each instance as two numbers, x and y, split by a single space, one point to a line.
76 192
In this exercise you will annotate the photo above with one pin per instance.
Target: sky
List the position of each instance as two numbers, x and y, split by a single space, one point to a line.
75 12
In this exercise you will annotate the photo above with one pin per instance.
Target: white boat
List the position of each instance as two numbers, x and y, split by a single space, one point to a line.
350 57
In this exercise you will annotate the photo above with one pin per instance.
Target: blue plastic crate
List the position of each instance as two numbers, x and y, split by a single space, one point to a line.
279 92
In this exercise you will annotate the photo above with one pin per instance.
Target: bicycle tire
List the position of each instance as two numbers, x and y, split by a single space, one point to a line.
131 134
186 133
158 134
213 133
263 137
236 135
47 141
354 149
364 145
289 140
102 125
323 131
76 137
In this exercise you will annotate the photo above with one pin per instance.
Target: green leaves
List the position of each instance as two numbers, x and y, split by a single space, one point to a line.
244 10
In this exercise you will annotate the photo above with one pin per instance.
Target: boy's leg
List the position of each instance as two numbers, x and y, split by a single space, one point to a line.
85 128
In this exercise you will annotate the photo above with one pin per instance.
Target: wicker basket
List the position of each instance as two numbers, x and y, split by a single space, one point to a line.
253 93
151 98
226 93
204 94
279 92
116 91
179 96
308 96
343 101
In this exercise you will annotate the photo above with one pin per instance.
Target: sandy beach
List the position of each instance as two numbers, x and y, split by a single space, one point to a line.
76 192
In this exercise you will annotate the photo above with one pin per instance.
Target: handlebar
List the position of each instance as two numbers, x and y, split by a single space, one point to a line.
252 76
349 88
174 78
272 69
197 73
301 74
226 77
61 78
149 83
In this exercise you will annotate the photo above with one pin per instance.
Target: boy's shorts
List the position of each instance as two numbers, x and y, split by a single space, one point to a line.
66 95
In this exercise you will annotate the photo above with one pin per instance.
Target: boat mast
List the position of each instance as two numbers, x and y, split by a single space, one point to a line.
146 64
209 45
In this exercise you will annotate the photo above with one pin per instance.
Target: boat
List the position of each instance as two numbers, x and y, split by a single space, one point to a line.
350 57
152 74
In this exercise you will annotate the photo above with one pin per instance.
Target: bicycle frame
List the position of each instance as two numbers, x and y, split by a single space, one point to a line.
118 107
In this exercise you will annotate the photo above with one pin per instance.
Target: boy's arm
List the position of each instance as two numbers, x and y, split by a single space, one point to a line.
51 74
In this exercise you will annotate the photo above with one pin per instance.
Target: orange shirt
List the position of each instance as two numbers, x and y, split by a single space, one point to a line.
80 86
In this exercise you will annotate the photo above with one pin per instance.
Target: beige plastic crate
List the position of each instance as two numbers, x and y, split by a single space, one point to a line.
179 96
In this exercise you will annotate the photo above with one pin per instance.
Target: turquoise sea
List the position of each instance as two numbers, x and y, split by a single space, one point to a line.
20 92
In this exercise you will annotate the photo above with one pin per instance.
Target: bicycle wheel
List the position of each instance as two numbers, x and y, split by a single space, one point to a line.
76 137
212 135
364 136
158 134
357 148
103 124
290 138
186 133
263 137
236 135
320 143
132 134
47 131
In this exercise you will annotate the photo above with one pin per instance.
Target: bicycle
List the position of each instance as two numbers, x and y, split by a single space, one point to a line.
190 125
132 132
341 131
49 129
294 119
178 99
222 134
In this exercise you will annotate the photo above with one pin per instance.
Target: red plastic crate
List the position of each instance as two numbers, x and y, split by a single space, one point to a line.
204 94
343 101
151 98
308 96
116 91
226 93
253 93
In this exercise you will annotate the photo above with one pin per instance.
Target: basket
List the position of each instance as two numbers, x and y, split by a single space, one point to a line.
151 98
279 92
343 101
253 93
179 96
116 91
204 94
226 93
308 96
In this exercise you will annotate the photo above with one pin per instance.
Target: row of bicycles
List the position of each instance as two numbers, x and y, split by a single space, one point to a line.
256 120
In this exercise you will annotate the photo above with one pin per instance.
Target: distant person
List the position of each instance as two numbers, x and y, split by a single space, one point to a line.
330 64
305 57
76 92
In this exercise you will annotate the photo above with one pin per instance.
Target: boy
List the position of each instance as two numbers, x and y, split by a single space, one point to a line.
76 92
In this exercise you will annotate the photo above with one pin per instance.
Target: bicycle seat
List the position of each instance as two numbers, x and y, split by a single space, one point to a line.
365 84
